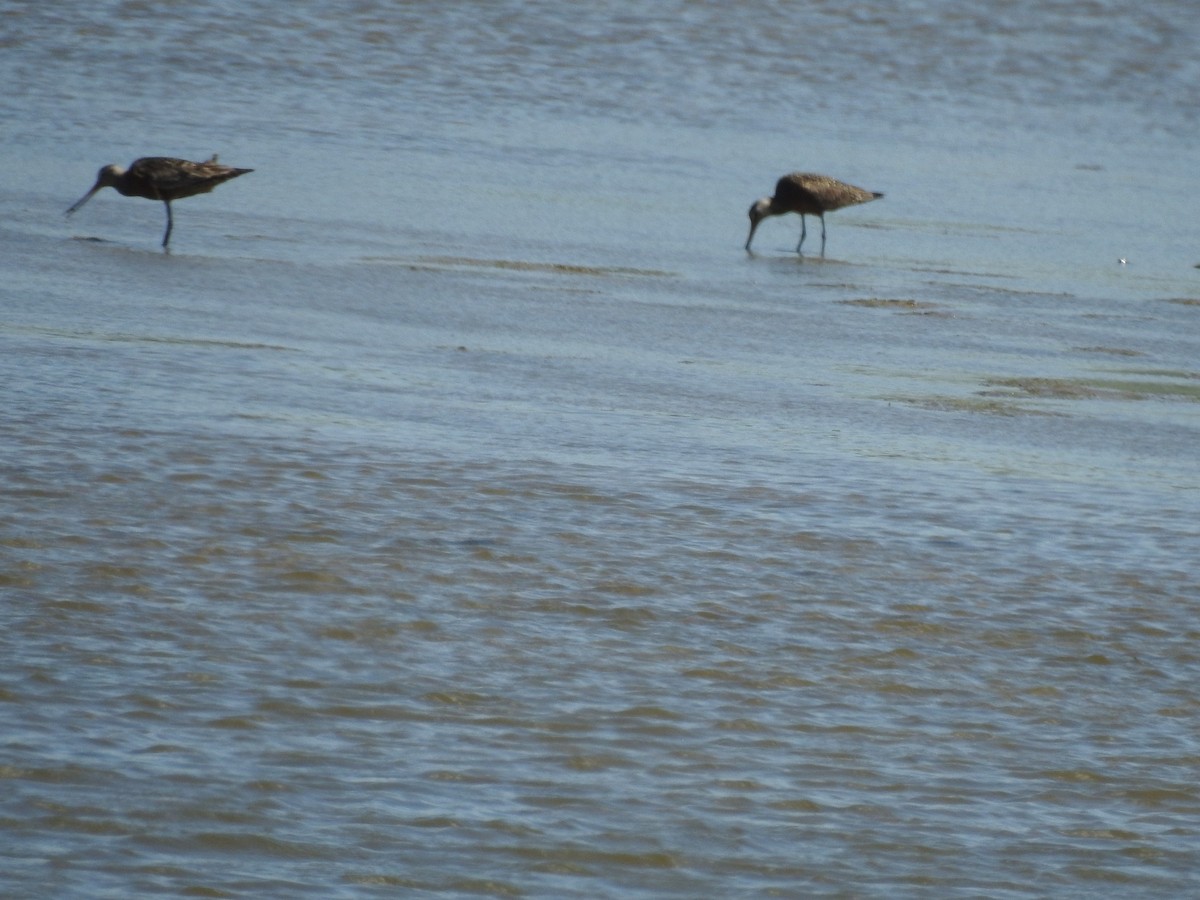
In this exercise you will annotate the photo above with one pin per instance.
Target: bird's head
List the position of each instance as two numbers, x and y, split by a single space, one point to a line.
106 177
759 210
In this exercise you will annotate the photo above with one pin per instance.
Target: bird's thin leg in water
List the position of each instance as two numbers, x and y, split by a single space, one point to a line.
170 224
822 234
803 233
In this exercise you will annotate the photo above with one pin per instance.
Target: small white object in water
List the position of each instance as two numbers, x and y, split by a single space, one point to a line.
1122 260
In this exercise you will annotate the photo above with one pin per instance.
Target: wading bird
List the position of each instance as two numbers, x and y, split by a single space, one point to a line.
807 194
162 178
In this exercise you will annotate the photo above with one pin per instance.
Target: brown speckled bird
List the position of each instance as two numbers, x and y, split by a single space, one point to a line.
162 178
807 194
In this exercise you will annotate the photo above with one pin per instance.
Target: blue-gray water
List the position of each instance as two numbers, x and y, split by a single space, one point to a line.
458 510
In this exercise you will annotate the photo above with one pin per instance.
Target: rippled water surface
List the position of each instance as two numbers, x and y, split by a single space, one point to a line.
459 510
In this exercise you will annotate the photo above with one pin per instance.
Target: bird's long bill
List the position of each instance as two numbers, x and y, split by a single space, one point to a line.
753 228
84 199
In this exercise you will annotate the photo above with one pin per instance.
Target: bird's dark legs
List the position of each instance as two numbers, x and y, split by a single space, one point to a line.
170 223
803 233
822 234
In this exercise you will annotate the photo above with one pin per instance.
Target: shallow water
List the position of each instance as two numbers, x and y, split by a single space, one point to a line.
458 510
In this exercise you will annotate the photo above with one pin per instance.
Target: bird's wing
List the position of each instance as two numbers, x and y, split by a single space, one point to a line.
162 174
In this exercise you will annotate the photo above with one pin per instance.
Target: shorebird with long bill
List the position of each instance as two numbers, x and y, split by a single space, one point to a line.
808 195
162 178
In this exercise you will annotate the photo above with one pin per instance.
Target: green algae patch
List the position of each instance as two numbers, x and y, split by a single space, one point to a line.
981 404
1110 351
1162 385
888 303
1055 389
1019 396
519 265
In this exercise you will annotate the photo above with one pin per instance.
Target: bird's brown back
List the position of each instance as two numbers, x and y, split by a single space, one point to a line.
164 178
804 192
